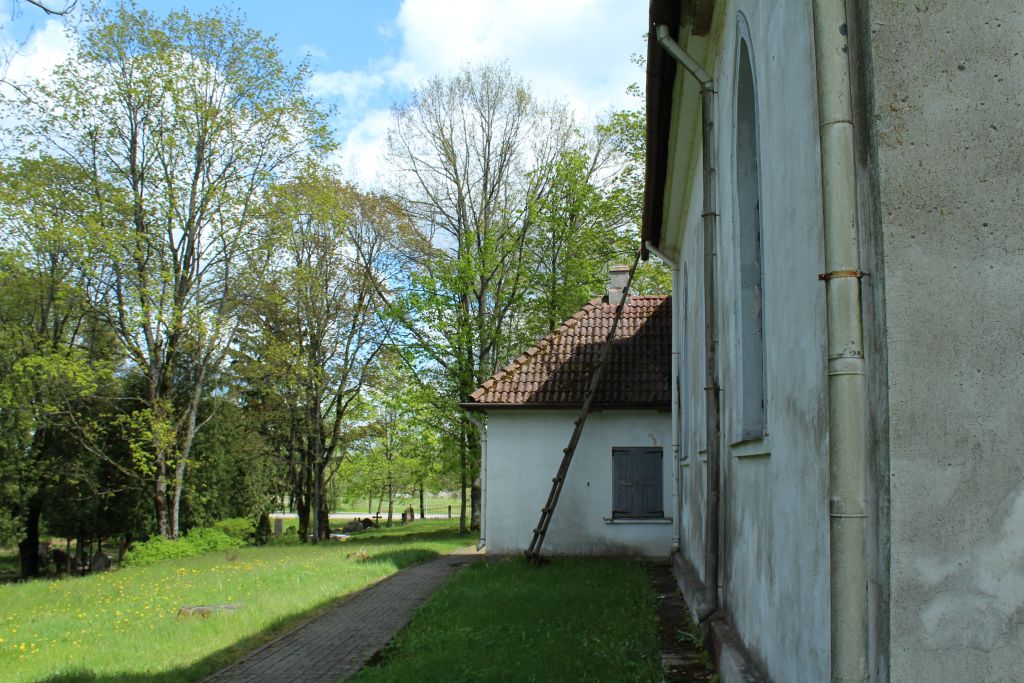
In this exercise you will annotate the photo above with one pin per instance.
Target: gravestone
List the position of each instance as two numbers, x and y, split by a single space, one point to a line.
99 563
60 560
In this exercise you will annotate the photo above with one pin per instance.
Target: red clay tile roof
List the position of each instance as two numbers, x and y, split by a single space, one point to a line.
555 372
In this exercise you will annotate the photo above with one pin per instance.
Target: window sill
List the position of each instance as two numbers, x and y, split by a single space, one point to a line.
637 520
758 447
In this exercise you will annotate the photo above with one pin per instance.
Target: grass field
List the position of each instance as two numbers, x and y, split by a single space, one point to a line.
572 620
434 504
123 625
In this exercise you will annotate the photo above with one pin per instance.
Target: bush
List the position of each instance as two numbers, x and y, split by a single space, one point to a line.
211 540
237 527
155 550
196 542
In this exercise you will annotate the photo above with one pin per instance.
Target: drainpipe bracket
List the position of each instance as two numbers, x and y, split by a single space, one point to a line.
825 277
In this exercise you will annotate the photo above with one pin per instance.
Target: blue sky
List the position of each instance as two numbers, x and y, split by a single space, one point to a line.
368 54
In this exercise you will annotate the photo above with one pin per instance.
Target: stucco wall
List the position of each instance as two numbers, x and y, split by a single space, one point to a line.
949 104
774 545
524 449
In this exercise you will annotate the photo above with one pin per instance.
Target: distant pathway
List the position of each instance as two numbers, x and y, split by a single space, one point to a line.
339 642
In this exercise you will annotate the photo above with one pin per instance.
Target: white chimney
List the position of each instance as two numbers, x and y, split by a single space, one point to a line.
617 277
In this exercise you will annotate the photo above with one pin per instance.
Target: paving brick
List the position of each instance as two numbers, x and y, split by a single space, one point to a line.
339 642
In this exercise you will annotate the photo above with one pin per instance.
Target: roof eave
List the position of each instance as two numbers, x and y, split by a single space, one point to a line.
660 100
659 407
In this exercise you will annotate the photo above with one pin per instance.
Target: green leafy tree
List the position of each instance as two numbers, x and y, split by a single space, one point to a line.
626 132
180 123
462 152
54 354
316 329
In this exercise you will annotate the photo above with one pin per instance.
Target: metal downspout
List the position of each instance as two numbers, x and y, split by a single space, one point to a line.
711 386
846 424
483 480
676 415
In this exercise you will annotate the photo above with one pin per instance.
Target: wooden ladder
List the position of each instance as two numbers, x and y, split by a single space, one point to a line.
546 512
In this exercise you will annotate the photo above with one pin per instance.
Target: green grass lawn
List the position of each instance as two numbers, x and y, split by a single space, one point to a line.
123 625
572 620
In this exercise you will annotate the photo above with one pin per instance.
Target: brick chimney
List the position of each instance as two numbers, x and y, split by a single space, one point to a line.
617 277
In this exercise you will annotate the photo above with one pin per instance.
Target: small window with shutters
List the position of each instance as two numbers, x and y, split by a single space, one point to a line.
636 481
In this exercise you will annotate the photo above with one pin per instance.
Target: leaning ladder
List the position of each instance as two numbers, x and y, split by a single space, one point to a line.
546 512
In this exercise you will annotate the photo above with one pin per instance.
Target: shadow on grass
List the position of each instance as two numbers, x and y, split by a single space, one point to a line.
216 661
377 537
401 558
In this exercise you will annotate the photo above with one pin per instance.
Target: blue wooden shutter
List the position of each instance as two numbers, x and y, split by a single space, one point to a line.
622 483
637 485
651 483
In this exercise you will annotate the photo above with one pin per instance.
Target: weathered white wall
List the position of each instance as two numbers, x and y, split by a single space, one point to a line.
524 449
774 545
948 88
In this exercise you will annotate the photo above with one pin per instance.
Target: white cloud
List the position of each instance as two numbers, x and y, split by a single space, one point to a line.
364 147
358 87
350 85
36 58
576 51
573 51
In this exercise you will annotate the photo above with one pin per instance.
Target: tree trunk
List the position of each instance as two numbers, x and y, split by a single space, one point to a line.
423 505
179 478
391 502
163 522
463 481
477 498
380 503
185 449
28 548
302 508
81 554
323 509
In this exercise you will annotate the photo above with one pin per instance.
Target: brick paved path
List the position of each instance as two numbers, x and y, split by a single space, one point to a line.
338 643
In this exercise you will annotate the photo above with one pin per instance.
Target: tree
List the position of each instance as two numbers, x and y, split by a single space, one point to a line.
317 326
53 354
583 223
180 124
626 131
463 151
54 9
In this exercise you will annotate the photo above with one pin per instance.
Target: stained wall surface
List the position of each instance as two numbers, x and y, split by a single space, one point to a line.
948 102
774 542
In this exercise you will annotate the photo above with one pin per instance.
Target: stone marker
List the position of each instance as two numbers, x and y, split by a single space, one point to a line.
206 610
99 563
